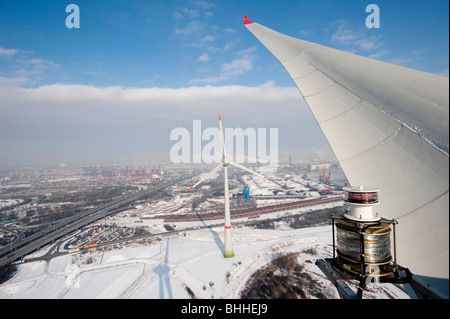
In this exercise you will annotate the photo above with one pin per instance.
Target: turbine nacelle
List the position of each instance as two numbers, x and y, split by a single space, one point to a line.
225 162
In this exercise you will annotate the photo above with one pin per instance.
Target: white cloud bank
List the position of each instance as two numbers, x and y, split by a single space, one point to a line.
80 123
68 100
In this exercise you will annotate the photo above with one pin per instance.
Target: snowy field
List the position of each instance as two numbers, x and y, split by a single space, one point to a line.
178 266
187 265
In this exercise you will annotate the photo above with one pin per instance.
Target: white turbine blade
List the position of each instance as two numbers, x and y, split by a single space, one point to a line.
224 153
247 169
401 118
207 176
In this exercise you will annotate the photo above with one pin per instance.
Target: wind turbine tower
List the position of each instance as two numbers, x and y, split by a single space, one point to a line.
228 250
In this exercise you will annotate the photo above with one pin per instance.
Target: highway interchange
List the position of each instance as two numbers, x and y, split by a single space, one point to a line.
25 245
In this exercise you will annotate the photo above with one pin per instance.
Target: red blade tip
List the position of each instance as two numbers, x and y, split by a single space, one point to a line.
191 188
247 21
220 118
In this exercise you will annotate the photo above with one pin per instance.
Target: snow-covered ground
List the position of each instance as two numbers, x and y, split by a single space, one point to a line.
190 264
9 202
170 267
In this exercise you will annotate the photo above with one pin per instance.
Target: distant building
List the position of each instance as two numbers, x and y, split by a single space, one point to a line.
156 178
315 167
246 193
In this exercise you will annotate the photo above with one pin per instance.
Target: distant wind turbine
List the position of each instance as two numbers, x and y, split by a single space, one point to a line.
228 251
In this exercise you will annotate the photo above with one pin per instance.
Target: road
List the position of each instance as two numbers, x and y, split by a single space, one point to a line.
40 239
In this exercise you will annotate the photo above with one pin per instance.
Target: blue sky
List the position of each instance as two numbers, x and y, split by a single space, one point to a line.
183 43
178 46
